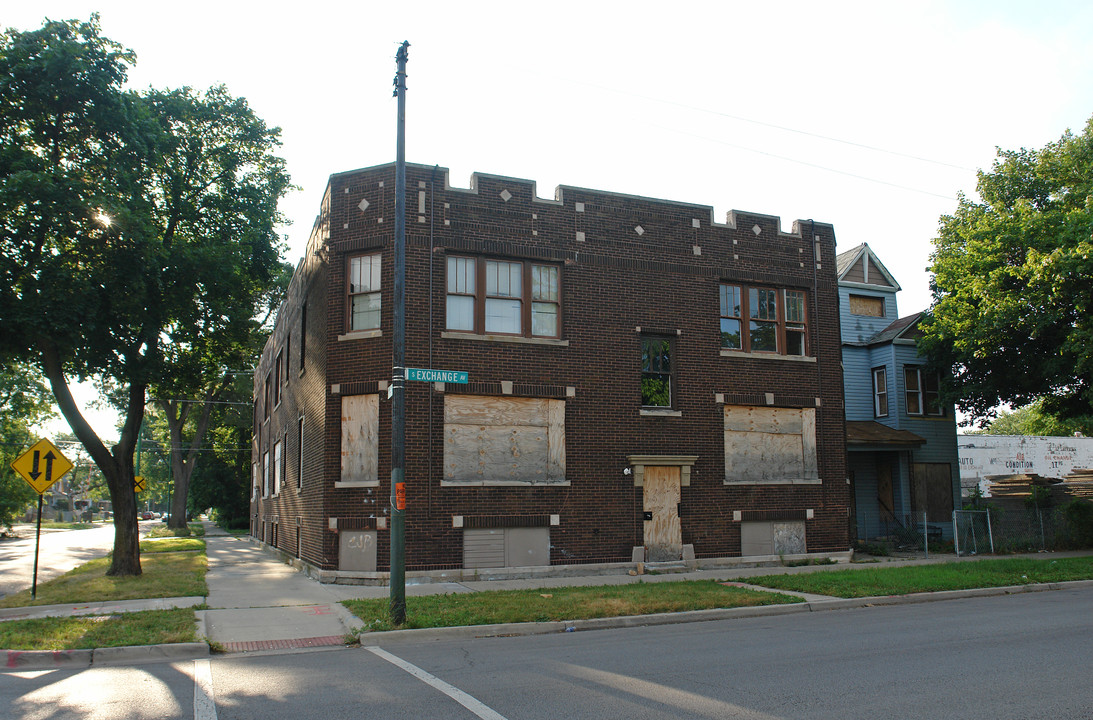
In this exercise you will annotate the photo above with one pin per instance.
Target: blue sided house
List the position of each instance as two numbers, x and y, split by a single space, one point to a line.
900 438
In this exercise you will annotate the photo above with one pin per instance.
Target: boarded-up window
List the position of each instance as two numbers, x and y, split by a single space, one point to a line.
360 444
503 441
772 538
932 491
864 305
770 445
506 547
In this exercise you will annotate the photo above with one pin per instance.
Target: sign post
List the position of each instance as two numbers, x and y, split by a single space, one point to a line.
41 466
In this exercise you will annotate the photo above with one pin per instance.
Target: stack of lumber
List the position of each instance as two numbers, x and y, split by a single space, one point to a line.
1079 483
1019 486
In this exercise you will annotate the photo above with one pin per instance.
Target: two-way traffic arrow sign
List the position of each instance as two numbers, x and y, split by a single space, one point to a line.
42 465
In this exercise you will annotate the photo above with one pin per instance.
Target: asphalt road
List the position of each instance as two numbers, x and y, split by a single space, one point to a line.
1019 656
61 550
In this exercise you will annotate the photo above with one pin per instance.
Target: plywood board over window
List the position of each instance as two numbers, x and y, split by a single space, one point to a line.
765 445
360 441
503 441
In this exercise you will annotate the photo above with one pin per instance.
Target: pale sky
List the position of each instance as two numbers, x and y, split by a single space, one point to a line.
870 116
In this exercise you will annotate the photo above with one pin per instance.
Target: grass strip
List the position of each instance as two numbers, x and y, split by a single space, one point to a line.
65 525
147 627
191 530
165 574
172 544
877 581
558 604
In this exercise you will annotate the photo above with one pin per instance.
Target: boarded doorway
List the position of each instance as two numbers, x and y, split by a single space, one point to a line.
661 497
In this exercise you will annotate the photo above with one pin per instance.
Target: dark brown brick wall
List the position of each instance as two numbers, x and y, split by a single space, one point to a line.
613 282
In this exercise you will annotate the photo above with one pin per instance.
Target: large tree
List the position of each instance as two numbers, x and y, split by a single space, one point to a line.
129 223
1012 311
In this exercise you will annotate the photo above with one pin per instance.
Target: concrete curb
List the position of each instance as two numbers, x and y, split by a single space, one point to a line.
149 653
16 660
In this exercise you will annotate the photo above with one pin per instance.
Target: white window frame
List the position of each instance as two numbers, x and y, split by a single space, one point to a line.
300 452
880 391
278 457
372 291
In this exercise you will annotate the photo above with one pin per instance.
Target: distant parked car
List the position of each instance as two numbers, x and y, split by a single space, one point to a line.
146 515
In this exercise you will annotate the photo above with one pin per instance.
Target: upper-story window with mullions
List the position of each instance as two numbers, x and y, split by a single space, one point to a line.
763 320
503 297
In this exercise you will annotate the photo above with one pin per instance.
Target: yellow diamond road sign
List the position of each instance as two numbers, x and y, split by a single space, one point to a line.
42 465
138 483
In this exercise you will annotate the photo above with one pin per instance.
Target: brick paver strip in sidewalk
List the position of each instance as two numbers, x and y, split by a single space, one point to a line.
253 645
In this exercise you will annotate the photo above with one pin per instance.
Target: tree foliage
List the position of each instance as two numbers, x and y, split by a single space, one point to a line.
1033 420
1012 310
24 403
135 230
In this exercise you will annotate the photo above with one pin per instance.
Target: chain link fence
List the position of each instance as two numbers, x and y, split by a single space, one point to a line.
1013 528
887 533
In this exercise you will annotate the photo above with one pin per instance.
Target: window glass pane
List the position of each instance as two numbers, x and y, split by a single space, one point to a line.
795 341
656 390
364 274
502 279
461 275
365 312
913 393
544 283
460 312
764 304
764 336
730 301
795 306
656 367
503 316
656 356
544 319
375 281
730 333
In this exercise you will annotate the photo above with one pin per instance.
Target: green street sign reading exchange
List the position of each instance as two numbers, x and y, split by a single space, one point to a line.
445 376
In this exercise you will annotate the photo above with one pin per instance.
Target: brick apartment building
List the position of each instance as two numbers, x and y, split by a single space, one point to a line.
643 382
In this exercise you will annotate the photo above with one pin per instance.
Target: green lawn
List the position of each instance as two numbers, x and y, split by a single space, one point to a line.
877 581
191 530
567 603
165 574
150 627
172 544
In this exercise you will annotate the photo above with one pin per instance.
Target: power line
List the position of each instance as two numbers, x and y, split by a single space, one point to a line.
808 164
201 402
783 128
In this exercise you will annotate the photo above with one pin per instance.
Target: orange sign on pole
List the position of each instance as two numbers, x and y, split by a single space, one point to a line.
400 495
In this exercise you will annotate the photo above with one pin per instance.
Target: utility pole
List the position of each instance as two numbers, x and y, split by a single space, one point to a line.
398 371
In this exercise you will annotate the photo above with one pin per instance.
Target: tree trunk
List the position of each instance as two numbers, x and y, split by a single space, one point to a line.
116 466
182 466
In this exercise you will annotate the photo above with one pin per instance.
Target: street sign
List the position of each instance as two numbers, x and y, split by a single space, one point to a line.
139 484
42 465
458 377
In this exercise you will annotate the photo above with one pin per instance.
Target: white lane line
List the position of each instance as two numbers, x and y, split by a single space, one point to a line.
451 691
204 699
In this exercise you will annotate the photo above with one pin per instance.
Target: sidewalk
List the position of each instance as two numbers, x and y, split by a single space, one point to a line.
256 602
